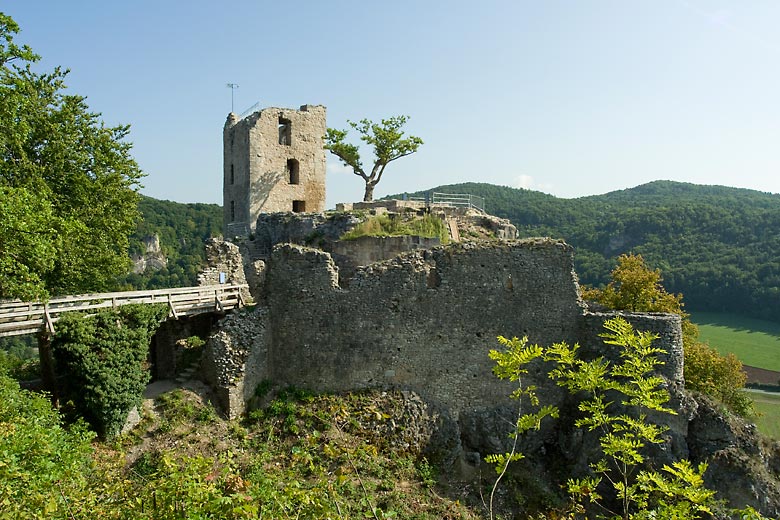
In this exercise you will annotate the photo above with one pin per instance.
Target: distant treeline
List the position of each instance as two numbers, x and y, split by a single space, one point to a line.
718 246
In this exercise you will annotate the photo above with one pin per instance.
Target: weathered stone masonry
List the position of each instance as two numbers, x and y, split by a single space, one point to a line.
273 162
424 320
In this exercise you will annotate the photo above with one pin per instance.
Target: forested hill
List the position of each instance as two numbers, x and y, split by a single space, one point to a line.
183 230
718 246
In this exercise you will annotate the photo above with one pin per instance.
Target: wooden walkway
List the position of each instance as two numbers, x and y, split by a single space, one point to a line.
18 317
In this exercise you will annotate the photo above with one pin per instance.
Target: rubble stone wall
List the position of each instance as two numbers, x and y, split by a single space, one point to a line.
424 320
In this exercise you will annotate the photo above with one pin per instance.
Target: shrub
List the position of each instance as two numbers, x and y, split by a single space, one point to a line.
103 360
40 461
637 490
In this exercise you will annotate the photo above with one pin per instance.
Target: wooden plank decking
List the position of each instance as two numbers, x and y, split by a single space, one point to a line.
18 317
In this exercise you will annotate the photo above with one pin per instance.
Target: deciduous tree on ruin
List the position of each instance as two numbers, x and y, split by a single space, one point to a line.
388 141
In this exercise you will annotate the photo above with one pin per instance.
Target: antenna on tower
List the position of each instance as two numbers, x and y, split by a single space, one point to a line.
232 87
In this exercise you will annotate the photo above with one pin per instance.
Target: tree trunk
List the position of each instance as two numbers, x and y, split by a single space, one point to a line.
48 376
368 196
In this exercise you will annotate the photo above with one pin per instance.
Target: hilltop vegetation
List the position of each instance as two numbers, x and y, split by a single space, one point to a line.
183 229
717 245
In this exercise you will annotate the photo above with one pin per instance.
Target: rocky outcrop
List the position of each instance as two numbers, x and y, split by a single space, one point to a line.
474 224
744 467
152 259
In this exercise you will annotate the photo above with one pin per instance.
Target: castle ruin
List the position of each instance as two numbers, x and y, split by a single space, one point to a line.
423 320
274 161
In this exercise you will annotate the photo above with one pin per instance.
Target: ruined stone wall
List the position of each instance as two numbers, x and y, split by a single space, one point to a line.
425 320
236 359
365 250
224 258
273 161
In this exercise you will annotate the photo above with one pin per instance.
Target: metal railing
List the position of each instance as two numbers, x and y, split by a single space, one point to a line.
460 200
18 317
251 110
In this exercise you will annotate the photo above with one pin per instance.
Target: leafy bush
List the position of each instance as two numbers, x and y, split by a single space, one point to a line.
103 360
40 461
637 490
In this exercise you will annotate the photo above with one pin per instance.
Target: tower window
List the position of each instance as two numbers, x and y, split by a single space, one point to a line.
293 171
285 131
232 211
299 206
232 175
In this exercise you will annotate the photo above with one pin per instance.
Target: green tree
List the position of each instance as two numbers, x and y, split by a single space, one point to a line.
67 183
28 244
387 140
636 287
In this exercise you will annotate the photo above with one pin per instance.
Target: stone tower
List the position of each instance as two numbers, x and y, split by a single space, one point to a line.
274 161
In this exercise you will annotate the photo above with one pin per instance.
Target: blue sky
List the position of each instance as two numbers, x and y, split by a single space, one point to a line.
571 98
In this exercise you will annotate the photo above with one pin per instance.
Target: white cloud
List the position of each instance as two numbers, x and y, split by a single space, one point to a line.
523 181
529 183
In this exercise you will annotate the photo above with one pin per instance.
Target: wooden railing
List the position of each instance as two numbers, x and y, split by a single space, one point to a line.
18 317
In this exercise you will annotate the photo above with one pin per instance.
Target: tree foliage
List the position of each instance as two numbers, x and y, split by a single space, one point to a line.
67 183
636 287
103 360
388 142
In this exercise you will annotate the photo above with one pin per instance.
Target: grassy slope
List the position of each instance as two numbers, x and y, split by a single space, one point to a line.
754 342
769 407
303 456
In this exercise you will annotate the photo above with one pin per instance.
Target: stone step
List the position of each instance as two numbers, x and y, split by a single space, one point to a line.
186 374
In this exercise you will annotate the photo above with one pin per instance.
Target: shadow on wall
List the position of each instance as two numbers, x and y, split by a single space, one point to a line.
260 188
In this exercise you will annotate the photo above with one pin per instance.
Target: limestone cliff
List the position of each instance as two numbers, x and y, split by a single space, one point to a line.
152 258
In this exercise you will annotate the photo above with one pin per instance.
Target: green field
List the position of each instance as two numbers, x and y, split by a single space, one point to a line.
769 407
754 342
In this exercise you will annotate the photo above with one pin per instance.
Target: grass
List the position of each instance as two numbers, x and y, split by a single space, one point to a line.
428 226
769 407
302 456
755 342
